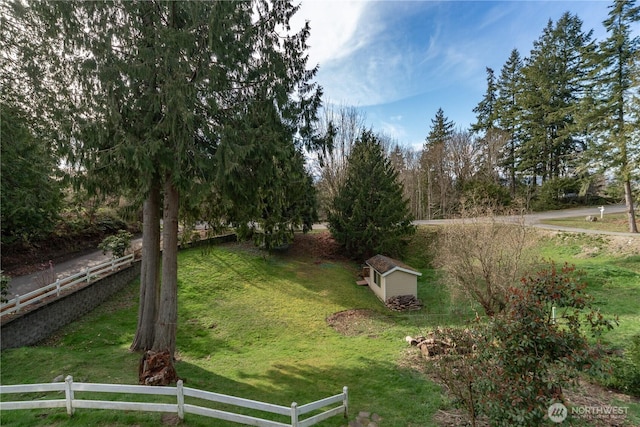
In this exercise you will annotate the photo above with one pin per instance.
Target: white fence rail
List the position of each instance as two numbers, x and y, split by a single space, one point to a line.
16 304
70 402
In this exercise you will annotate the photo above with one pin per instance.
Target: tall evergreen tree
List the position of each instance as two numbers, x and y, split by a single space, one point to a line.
369 214
491 138
30 192
554 78
617 68
508 113
434 163
158 85
269 193
486 108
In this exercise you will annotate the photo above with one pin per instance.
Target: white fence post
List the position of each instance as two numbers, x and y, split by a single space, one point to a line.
68 392
345 401
17 303
179 393
294 414
180 396
58 287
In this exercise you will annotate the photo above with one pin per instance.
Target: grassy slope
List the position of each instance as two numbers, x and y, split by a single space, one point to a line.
252 327
613 279
255 327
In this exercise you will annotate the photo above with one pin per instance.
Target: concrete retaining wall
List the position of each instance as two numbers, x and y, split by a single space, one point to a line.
38 324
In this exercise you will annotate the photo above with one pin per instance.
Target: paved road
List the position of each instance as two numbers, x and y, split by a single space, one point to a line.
535 219
25 284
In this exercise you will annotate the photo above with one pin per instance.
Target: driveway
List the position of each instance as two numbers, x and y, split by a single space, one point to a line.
24 284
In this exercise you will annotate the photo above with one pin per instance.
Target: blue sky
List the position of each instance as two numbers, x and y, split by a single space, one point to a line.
399 61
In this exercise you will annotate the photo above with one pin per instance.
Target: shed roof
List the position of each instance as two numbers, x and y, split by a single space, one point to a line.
385 265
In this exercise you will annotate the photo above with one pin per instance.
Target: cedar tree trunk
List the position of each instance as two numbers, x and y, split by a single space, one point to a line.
166 322
149 269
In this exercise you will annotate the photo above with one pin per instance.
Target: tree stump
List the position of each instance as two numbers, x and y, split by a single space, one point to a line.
156 368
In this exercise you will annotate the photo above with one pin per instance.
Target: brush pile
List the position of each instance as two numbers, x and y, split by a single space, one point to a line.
403 302
440 342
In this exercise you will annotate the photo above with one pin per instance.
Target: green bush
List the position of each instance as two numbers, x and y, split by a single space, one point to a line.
107 219
551 193
524 356
4 286
117 244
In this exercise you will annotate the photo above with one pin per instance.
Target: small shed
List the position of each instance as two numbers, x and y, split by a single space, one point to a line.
389 277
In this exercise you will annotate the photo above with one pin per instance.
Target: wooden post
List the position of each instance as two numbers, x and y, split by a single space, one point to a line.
17 303
68 391
294 414
58 287
180 395
345 401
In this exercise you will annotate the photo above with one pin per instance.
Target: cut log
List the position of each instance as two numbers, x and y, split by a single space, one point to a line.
403 302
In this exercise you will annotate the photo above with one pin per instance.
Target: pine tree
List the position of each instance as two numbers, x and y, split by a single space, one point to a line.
508 113
434 162
617 68
492 139
486 109
554 78
369 215
268 192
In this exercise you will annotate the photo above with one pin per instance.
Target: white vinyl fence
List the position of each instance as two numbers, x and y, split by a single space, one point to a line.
294 412
14 305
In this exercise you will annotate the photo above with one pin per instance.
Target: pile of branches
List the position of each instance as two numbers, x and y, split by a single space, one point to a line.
437 343
404 302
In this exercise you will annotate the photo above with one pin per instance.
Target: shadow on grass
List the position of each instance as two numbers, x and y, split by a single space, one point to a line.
401 396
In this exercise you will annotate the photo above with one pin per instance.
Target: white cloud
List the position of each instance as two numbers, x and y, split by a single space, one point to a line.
333 26
394 130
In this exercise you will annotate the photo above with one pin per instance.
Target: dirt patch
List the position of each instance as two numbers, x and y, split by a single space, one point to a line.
624 245
592 245
170 420
318 246
357 322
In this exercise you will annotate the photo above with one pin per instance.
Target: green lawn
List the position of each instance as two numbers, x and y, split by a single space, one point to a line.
255 327
610 222
612 274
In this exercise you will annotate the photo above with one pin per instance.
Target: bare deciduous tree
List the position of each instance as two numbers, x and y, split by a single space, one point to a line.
483 255
347 124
